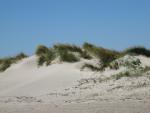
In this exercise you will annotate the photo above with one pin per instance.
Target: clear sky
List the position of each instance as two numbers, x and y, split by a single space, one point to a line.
115 24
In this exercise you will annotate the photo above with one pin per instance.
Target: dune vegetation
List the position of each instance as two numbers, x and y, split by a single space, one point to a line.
104 55
73 53
45 55
7 62
135 73
90 66
138 50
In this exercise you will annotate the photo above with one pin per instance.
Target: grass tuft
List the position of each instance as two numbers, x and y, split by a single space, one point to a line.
67 57
122 74
5 63
106 56
138 51
132 73
41 49
68 47
85 55
45 55
90 66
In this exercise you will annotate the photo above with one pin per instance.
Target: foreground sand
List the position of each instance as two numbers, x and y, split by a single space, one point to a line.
64 88
91 107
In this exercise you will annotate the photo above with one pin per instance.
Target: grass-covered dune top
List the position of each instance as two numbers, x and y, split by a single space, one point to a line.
7 62
73 53
65 52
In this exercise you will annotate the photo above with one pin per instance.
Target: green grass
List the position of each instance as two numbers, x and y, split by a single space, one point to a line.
106 56
46 58
5 63
130 64
72 48
132 73
85 55
122 74
66 52
45 55
41 60
68 47
67 57
138 51
20 56
90 66
92 49
73 53
41 49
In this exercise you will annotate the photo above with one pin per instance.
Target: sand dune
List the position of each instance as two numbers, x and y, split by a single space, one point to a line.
64 88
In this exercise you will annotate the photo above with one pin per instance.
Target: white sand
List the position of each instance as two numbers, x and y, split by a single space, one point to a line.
64 88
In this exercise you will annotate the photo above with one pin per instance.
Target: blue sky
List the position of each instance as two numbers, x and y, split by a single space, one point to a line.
115 24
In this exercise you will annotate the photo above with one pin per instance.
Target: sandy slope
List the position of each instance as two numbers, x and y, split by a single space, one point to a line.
64 88
25 78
